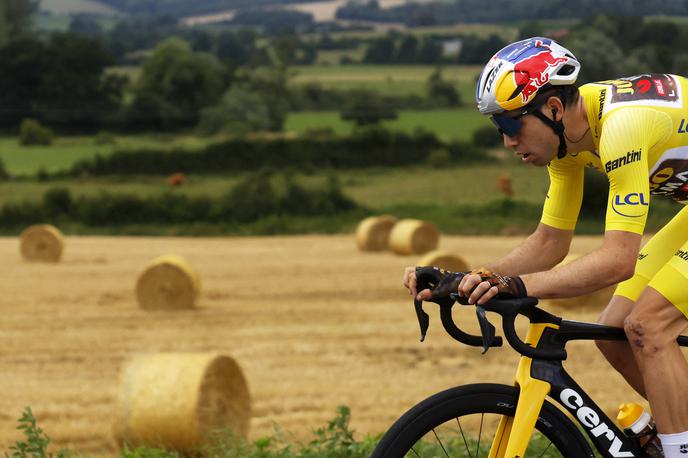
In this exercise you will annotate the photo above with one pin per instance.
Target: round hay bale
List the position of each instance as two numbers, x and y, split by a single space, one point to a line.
596 299
169 282
42 243
444 260
176 400
412 236
372 234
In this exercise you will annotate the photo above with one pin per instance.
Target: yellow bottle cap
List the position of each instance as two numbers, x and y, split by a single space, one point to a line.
628 414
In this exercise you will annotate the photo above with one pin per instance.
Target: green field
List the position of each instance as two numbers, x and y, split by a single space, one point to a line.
65 151
447 124
506 32
373 188
333 57
27 160
387 79
77 6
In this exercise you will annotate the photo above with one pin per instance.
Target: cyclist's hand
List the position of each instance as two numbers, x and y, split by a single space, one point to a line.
411 284
482 285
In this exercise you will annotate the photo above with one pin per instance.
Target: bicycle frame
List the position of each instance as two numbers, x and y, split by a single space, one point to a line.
538 378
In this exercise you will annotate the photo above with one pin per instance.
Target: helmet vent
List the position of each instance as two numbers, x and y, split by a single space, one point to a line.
517 91
566 70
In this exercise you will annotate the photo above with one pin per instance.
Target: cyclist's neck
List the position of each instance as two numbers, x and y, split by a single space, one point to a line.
578 135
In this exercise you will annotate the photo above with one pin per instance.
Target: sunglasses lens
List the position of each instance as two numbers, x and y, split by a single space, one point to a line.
507 125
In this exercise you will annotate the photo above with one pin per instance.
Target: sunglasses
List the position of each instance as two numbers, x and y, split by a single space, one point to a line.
511 125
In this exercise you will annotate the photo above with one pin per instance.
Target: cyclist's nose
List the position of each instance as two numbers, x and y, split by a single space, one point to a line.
510 142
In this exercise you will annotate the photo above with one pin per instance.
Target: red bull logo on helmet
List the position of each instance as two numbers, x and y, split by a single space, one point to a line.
532 63
531 72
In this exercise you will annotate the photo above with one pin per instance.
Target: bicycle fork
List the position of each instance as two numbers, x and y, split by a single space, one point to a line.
514 433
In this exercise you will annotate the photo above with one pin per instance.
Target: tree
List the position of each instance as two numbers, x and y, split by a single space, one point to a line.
430 51
366 107
15 18
85 26
441 91
239 112
408 50
257 101
59 81
235 47
380 51
175 84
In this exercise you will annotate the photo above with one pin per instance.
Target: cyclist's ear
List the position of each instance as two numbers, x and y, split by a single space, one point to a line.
555 106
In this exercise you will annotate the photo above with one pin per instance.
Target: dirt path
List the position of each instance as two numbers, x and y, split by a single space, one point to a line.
313 323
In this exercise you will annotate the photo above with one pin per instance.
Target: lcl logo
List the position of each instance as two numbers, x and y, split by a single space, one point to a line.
633 199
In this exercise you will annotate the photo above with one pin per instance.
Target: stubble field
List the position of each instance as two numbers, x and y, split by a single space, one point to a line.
313 323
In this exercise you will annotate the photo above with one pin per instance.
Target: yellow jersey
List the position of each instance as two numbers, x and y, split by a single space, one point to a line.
640 129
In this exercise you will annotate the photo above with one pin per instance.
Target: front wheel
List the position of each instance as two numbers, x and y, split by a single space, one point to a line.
461 423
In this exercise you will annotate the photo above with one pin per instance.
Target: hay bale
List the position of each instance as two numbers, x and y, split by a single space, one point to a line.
372 234
169 282
175 400
597 299
41 243
444 260
412 236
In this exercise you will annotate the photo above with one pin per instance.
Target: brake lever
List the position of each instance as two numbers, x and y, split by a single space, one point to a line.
423 318
486 328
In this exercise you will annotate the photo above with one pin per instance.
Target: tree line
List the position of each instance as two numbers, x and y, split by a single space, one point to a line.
457 11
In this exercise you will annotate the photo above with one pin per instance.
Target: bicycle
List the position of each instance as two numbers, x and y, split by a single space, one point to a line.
509 415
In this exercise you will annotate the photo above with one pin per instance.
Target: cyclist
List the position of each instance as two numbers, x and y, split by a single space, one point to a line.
634 130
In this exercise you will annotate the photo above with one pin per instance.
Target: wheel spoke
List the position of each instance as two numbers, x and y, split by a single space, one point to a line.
465 442
415 452
440 442
546 448
480 433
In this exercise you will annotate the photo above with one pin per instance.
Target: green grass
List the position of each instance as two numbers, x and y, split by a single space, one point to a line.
333 57
447 124
377 188
387 79
28 160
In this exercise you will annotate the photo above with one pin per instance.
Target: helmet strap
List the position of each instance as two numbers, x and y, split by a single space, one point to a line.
557 127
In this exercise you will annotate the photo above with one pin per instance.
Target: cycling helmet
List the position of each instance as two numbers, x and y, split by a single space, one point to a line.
514 76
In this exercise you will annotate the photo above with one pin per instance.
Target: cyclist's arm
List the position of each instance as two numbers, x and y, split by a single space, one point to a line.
542 250
611 263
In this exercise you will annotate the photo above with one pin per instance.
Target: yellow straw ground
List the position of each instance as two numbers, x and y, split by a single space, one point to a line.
313 323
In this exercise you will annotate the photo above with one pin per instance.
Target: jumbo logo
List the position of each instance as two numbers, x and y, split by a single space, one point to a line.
591 420
667 181
634 199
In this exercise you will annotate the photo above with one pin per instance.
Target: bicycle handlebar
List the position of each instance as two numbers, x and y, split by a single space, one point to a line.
431 278
509 309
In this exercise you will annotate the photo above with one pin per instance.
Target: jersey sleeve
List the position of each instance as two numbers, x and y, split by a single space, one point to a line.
565 194
626 138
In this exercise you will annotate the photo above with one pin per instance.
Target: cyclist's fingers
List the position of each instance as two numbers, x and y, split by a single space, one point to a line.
492 292
479 290
467 284
410 280
424 295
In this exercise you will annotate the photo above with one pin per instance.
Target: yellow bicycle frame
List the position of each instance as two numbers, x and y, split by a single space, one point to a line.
513 433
